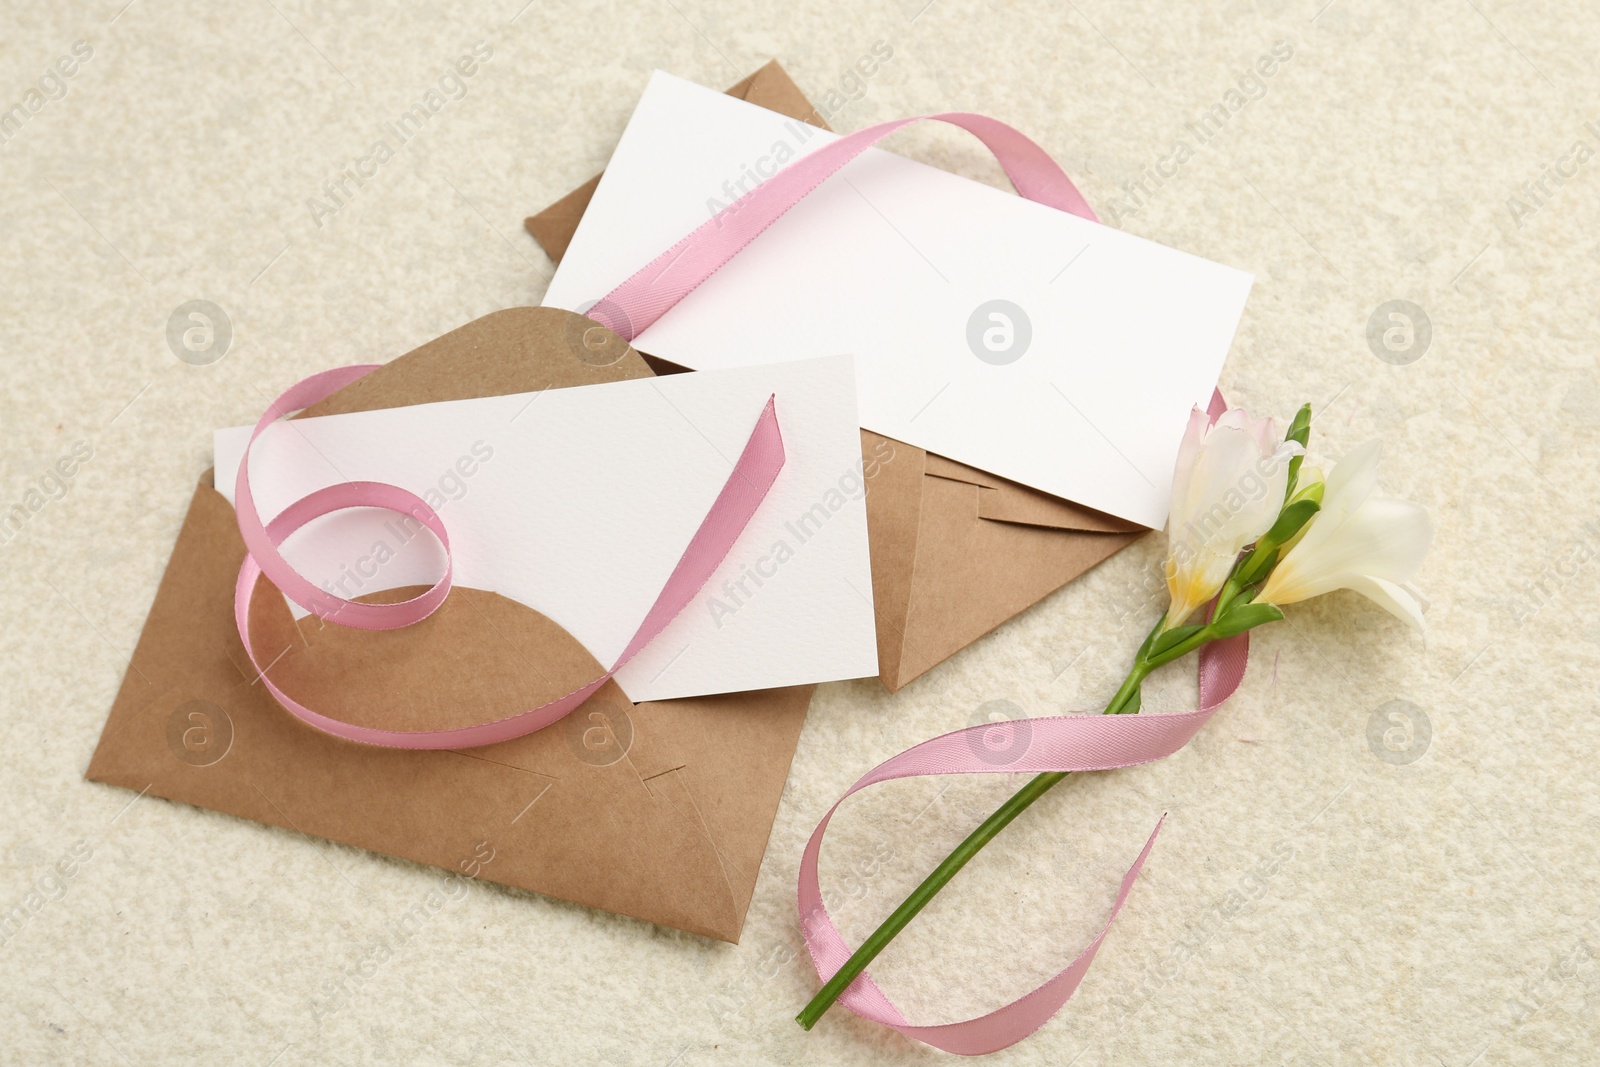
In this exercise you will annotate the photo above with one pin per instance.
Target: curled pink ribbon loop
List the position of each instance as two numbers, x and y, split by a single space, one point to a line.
262 543
1056 743
747 485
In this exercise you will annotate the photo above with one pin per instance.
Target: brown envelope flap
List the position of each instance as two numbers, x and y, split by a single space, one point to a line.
515 350
1006 501
554 227
972 573
645 827
479 656
893 474
770 87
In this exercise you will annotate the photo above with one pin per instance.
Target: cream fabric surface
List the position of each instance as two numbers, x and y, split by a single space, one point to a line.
1344 879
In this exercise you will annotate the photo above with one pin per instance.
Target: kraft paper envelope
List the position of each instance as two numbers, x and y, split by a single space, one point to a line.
659 810
955 551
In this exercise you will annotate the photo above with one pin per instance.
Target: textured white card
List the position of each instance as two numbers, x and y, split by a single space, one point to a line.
1022 340
578 502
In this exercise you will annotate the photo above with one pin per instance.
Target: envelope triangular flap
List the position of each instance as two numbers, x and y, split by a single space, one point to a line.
972 573
1006 501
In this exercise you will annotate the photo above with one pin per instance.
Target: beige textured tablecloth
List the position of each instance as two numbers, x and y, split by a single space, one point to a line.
1344 879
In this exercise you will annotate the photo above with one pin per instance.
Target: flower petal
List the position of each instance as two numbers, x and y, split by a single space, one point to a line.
1193 435
1385 537
1263 430
1401 601
1229 502
1353 478
1194 582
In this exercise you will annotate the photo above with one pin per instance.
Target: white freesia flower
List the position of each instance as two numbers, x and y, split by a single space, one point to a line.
1360 540
1226 491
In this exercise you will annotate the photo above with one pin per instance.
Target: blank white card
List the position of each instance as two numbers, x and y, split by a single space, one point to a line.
1039 346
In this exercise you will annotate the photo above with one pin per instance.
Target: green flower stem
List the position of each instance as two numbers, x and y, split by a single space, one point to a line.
1230 588
1125 700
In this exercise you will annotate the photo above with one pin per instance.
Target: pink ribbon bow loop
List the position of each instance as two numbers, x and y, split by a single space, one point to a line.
261 543
1055 743
746 487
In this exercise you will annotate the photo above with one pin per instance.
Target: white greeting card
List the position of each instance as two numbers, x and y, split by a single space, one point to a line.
1022 340
578 502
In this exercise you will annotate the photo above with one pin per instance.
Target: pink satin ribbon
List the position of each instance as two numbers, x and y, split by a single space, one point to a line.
741 494
1067 743
1056 743
633 306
